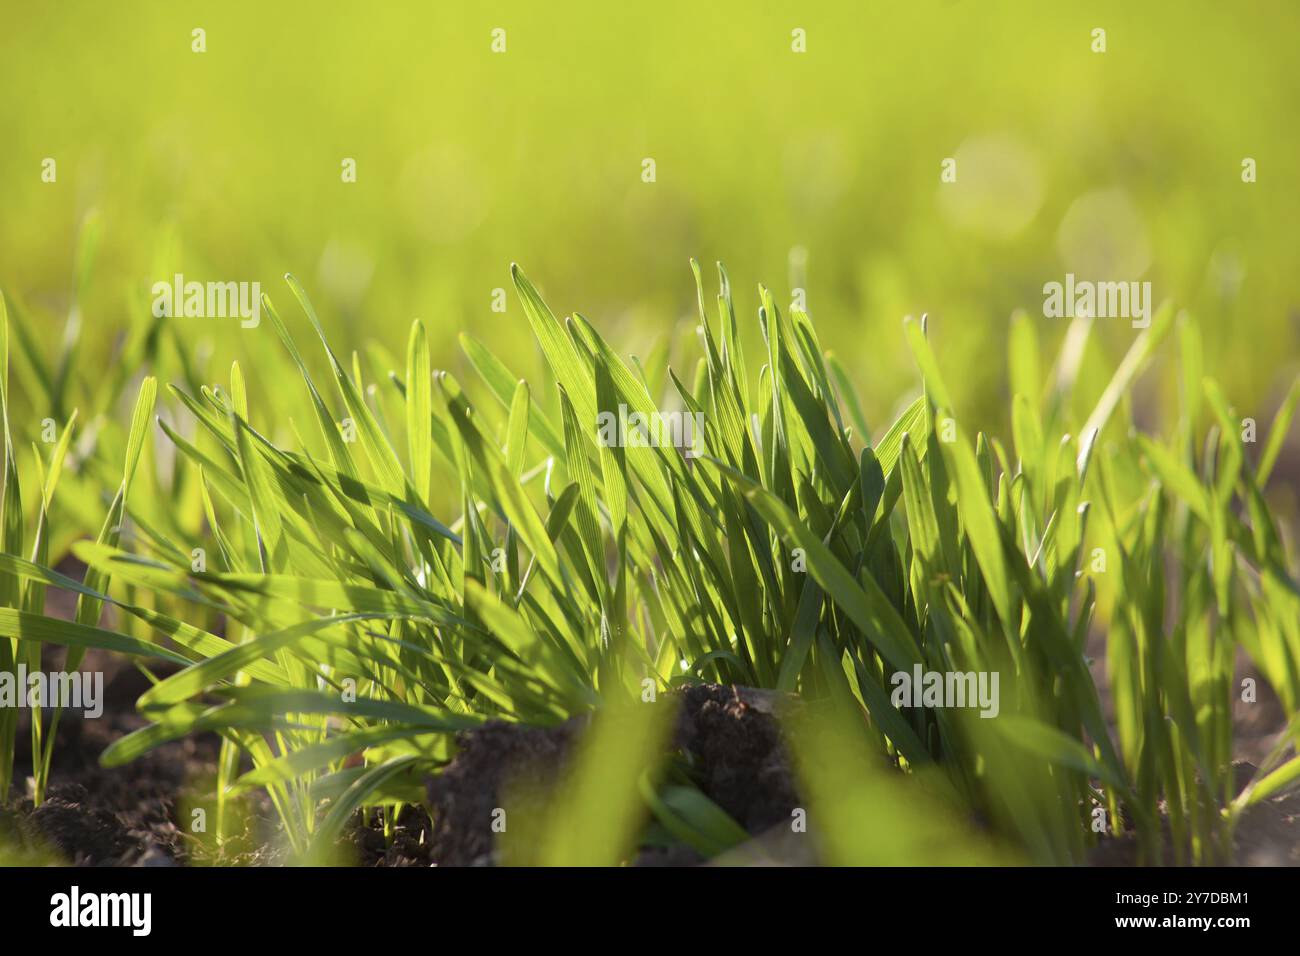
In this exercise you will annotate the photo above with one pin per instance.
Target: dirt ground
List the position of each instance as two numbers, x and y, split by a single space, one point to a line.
142 814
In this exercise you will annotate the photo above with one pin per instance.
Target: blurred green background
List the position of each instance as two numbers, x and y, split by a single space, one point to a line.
818 169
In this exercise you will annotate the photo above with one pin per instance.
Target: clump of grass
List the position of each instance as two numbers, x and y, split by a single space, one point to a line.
331 611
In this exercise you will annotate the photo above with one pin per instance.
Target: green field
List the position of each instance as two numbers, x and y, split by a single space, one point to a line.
348 482
226 165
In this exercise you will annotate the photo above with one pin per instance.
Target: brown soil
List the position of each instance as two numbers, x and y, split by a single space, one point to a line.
1268 833
732 742
491 762
124 816
409 843
728 737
